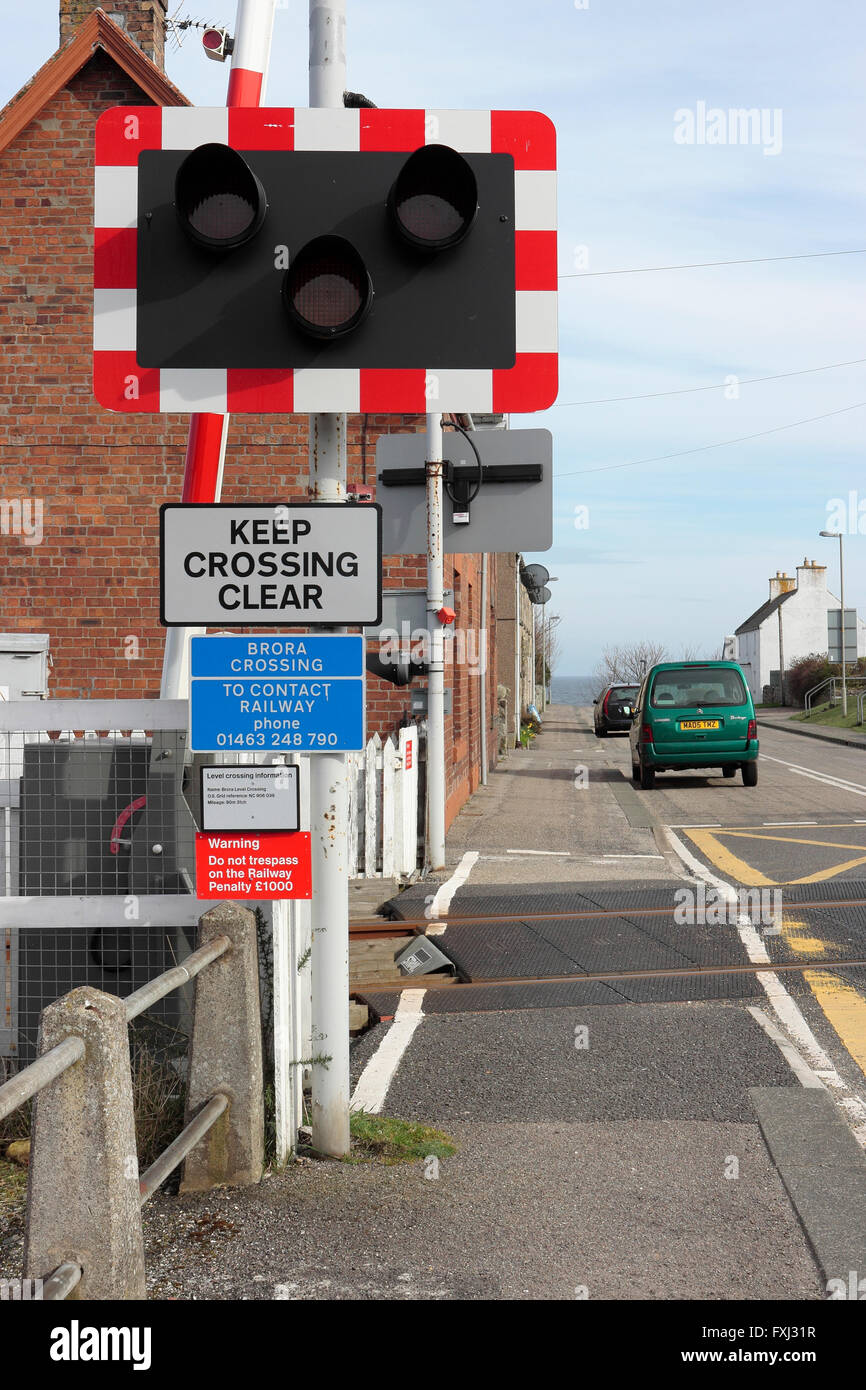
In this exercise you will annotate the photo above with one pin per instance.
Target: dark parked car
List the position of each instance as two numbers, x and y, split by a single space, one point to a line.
614 708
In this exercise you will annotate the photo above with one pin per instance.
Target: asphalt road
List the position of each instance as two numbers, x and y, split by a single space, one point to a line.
574 871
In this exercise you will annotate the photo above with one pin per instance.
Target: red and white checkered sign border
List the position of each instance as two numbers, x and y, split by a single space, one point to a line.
120 384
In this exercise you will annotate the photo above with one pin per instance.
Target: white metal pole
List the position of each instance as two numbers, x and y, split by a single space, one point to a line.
436 677
328 785
534 686
518 642
842 601
482 657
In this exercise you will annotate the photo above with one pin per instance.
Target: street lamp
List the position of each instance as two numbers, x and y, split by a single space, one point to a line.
837 535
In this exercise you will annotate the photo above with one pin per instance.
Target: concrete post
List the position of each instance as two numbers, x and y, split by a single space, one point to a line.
226 1056
83 1201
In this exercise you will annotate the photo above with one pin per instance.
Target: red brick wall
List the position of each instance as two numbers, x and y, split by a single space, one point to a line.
93 581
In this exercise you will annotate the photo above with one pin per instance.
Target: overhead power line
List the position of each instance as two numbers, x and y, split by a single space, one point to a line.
701 265
717 386
721 444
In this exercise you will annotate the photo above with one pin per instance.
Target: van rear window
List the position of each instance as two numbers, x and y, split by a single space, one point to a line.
692 686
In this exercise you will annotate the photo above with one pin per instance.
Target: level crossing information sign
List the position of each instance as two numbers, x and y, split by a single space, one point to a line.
288 693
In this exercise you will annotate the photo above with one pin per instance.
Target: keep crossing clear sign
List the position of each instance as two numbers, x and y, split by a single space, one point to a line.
270 565
302 693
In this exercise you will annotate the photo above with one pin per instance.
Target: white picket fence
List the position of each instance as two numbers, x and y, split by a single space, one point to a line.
383 807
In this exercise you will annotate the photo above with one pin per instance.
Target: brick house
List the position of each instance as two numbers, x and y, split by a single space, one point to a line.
91 583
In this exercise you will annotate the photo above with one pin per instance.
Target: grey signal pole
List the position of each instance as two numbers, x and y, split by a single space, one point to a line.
837 536
436 673
328 789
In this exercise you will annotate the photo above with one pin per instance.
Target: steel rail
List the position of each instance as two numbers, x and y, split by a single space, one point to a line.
357 928
178 1149
142 999
682 972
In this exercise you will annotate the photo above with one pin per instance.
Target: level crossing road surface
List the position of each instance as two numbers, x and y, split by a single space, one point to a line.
641 1110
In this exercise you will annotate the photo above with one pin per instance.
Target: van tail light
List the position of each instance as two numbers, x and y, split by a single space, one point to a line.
646 734
752 731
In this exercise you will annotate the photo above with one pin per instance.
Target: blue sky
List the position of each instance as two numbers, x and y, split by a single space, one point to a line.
677 551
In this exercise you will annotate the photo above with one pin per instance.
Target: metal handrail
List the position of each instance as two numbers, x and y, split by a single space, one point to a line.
46 1068
178 1149
148 994
60 1284
25 1084
830 680
53 1063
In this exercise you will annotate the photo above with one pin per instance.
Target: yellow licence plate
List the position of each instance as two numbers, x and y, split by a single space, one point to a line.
699 723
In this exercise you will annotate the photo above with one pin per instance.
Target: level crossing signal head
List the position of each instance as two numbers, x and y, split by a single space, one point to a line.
217 43
282 260
327 288
219 201
434 198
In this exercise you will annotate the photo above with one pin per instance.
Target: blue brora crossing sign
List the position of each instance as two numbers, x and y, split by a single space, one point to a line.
293 693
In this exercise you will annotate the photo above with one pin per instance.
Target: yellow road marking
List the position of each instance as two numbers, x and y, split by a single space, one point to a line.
824 874
844 1007
802 945
729 863
842 1004
788 839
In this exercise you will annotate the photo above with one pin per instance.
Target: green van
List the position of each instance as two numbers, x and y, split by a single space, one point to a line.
694 714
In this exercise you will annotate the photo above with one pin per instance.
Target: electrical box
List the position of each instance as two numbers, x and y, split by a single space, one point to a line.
24 664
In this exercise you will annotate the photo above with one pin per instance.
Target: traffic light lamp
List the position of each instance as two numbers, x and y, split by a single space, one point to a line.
220 203
348 259
400 672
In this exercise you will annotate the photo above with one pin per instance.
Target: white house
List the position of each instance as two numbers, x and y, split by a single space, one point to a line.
800 607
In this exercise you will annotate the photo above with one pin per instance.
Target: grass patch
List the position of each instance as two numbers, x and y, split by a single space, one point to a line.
383 1139
13 1190
831 716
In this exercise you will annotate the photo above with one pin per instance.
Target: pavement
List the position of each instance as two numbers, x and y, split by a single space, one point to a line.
784 721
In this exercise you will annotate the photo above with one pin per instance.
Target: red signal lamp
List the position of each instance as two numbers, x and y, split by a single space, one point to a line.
217 44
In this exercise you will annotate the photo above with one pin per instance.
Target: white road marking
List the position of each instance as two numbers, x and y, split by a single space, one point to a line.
632 856
801 1069
777 824
842 782
373 1083
559 853
784 1005
445 892
701 825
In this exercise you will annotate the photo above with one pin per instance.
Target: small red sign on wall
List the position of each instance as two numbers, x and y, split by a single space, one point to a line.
408 763
273 865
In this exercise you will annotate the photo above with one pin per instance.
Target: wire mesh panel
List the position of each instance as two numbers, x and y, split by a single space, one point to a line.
101 815
8 992
114 959
88 814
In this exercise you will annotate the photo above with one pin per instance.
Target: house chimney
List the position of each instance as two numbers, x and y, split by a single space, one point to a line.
142 20
781 583
812 575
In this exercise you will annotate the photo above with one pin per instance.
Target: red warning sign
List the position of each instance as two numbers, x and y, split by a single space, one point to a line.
408 763
272 865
